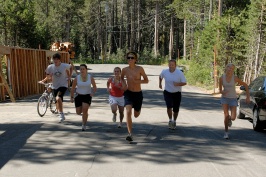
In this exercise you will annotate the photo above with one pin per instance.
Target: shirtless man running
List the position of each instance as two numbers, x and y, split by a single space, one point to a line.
133 95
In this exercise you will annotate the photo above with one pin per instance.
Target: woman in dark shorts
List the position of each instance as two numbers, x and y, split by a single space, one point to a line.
82 84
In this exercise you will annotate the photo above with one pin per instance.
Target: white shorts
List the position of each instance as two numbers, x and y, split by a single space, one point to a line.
116 100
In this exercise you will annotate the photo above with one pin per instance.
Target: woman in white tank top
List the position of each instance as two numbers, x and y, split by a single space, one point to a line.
82 84
227 84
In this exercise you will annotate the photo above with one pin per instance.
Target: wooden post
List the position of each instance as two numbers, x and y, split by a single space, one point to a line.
5 84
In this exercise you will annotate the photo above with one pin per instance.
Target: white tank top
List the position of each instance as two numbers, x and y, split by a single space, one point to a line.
83 87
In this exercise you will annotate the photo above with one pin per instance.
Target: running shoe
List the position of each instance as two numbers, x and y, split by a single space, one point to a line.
226 135
61 117
83 128
129 138
174 125
119 125
114 117
170 124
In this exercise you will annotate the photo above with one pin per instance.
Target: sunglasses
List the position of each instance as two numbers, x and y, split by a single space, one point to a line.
130 58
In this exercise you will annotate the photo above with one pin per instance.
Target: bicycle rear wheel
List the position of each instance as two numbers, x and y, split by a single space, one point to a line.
42 106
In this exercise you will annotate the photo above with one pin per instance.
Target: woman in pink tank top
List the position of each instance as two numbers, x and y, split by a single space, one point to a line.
116 87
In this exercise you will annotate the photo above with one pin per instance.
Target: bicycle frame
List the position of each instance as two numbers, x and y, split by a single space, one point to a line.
46 100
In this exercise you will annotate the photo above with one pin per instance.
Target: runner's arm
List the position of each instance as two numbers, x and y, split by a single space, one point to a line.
93 86
160 82
145 79
74 84
239 81
123 74
124 85
108 84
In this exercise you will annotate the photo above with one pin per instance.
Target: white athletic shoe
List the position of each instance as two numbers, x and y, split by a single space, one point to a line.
61 117
119 125
170 124
226 136
174 125
83 127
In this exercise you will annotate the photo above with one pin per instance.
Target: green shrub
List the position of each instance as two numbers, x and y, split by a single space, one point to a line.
199 75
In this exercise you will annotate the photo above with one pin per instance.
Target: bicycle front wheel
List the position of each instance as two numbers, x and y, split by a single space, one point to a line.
42 106
53 104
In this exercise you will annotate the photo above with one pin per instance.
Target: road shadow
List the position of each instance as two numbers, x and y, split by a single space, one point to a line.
13 138
152 143
190 100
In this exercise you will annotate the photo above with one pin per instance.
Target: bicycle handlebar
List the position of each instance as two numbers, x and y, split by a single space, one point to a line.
45 84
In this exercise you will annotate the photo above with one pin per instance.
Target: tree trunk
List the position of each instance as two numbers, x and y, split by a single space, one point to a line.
139 27
257 56
5 30
100 37
106 30
133 34
171 39
177 39
210 10
249 66
67 29
185 43
156 36
15 37
128 32
220 8
113 27
121 24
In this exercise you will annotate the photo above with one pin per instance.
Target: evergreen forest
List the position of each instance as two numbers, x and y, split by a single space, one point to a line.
203 35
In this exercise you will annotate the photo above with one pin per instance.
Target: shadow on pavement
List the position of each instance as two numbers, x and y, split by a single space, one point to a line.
153 143
13 138
203 101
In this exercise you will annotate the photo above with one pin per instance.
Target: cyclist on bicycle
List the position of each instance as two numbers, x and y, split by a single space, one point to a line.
60 74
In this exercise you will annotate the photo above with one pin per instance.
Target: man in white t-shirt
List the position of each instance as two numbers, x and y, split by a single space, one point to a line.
60 74
174 80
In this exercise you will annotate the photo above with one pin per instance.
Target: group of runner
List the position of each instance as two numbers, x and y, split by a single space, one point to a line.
125 91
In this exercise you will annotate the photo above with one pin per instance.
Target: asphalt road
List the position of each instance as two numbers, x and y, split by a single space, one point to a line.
32 146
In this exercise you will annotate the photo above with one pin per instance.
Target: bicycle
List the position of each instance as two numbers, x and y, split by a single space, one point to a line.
46 100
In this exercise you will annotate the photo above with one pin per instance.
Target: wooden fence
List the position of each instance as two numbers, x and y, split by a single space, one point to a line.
24 68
